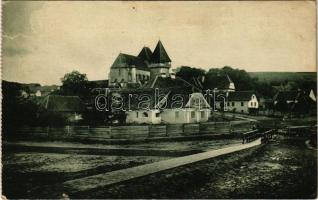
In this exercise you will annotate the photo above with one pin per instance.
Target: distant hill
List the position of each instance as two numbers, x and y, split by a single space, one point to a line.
283 76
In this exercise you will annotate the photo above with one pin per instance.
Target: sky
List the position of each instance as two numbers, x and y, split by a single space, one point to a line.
44 40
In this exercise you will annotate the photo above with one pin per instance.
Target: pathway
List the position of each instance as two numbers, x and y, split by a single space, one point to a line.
106 179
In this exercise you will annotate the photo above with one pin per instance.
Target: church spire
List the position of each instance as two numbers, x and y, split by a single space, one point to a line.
160 55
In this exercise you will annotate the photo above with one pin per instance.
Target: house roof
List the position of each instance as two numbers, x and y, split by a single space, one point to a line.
145 54
168 82
57 103
240 95
197 100
46 89
138 99
159 54
125 60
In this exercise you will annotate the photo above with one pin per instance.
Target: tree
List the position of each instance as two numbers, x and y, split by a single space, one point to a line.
75 83
188 73
17 111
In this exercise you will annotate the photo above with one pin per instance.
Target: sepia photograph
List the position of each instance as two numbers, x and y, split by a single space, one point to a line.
159 100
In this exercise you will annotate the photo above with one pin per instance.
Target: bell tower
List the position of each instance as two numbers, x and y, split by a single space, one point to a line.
160 63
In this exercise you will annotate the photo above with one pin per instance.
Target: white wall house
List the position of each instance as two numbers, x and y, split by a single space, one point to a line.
186 115
196 110
143 116
239 102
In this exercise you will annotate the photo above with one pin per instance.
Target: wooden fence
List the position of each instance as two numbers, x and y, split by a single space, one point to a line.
137 131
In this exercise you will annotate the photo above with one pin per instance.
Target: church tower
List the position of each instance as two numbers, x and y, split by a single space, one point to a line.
160 62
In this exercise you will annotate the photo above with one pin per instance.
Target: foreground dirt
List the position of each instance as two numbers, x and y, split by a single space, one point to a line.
281 169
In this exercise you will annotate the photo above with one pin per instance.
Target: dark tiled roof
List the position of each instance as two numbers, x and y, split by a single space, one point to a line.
168 82
159 54
57 103
134 101
240 95
125 60
145 54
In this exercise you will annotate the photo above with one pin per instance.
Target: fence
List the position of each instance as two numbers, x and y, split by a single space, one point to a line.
137 131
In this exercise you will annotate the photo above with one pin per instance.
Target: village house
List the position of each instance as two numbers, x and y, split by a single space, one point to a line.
164 100
139 105
171 108
297 101
239 101
194 109
130 71
36 90
70 107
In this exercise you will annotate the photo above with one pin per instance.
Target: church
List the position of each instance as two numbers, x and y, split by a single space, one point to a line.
130 71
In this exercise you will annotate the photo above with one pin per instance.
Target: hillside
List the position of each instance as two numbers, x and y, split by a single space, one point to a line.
283 76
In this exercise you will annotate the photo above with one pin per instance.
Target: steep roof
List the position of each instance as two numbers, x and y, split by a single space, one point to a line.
145 54
197 100
140 99
168 82
240 95
57 103
159 54
125 60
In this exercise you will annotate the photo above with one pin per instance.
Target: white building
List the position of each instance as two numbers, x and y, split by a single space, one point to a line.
240 102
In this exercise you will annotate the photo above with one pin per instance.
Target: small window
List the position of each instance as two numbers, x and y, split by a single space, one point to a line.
157 114
192 114
202 114
177 114
137 114
228 103
242 103
145 114
242 111
233 103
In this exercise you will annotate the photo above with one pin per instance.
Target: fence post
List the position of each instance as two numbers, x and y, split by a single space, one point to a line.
47 131
166 130
149 130
68 130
